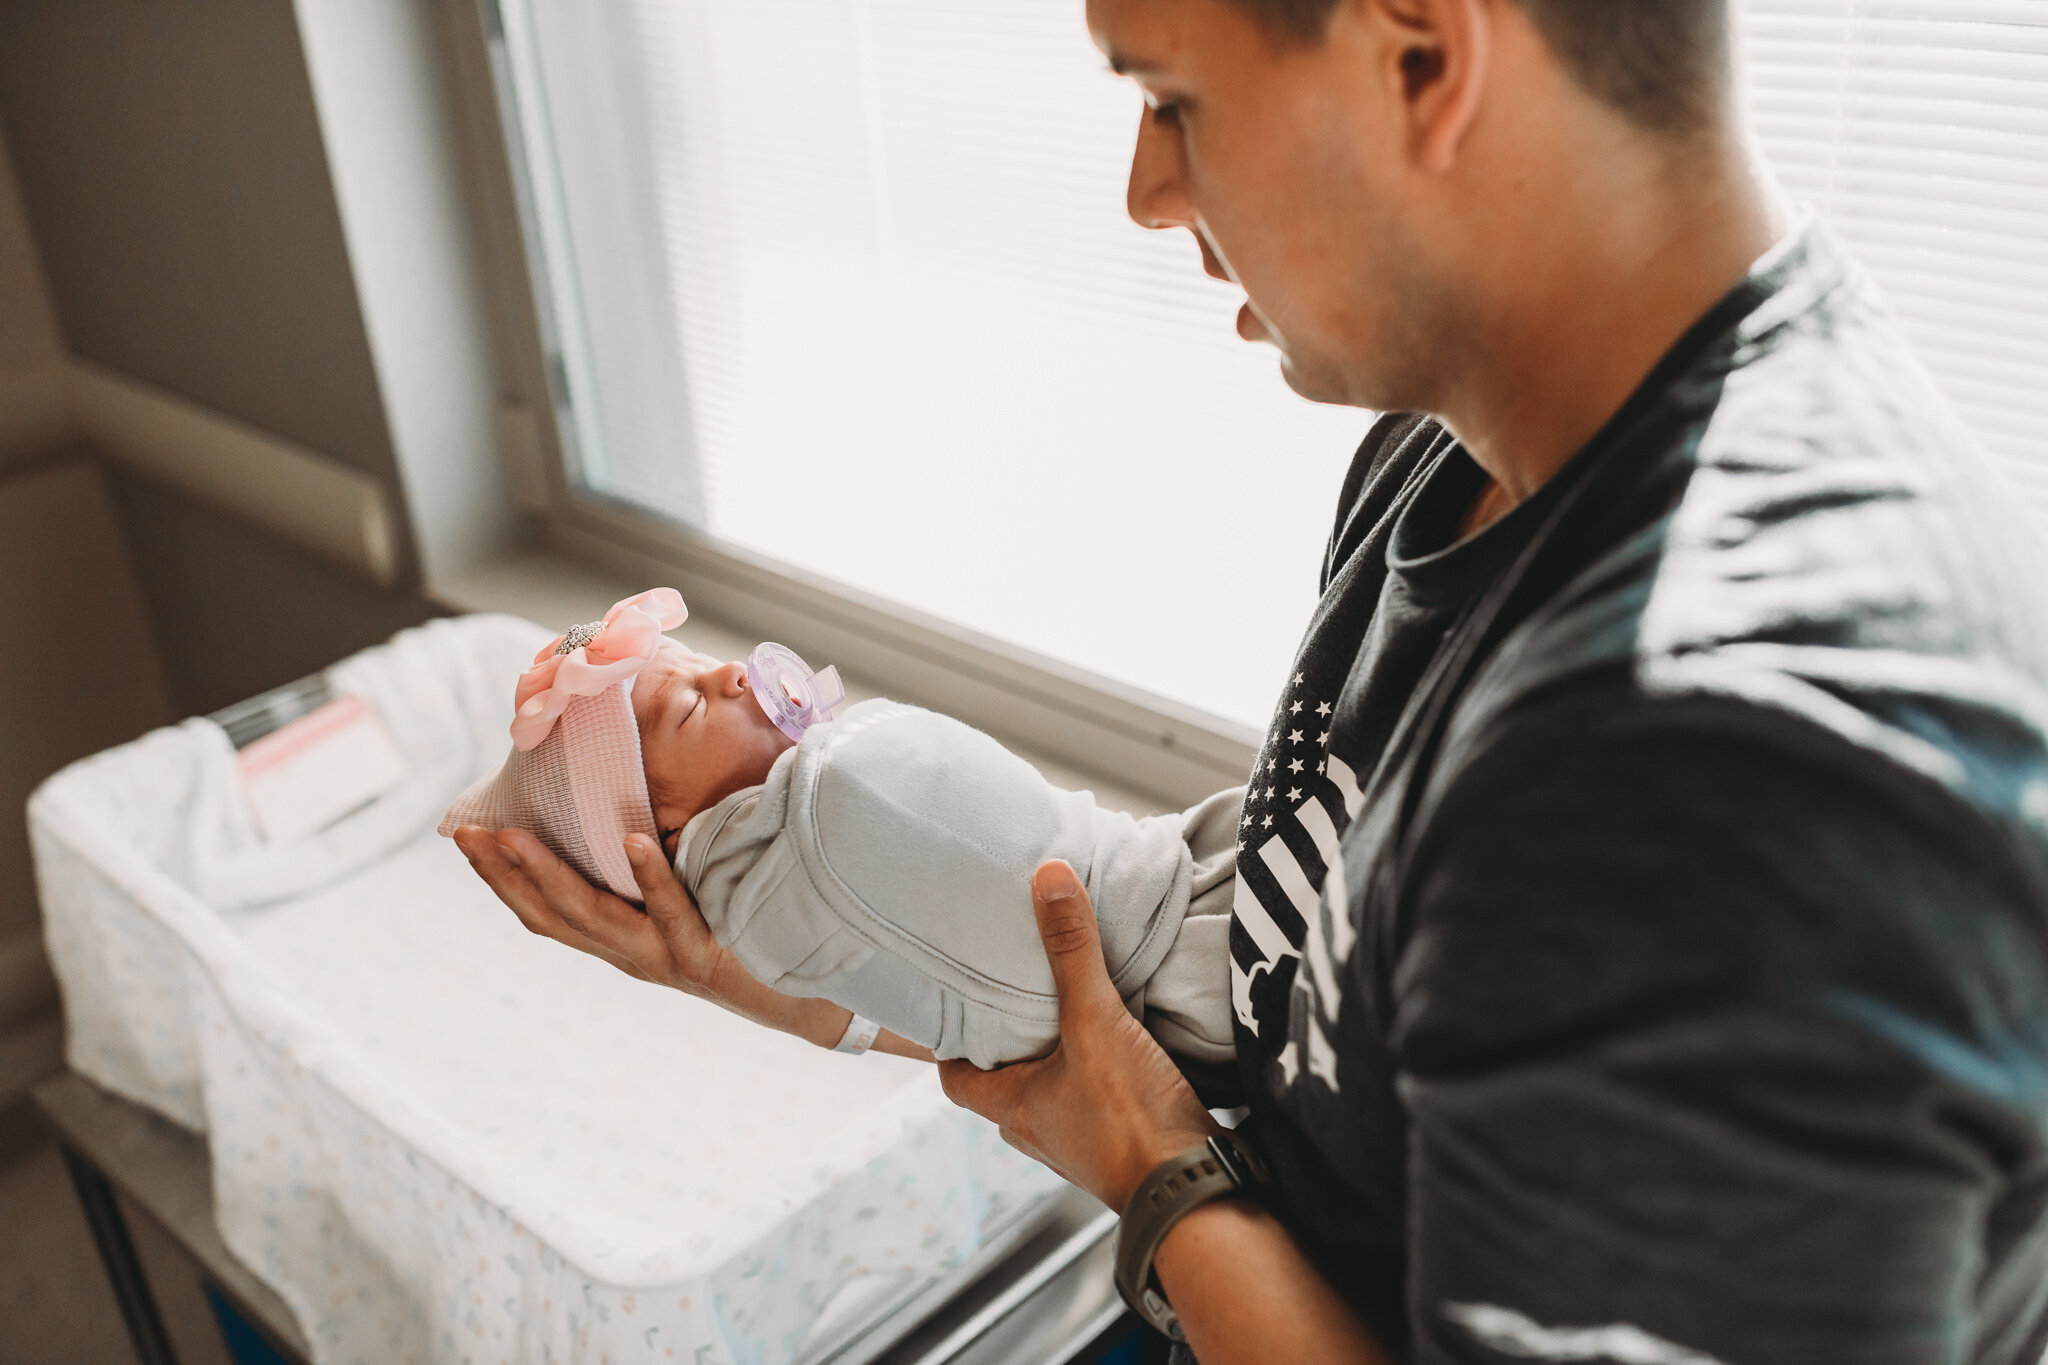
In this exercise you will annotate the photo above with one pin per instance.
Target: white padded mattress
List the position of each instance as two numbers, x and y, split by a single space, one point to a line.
441 1138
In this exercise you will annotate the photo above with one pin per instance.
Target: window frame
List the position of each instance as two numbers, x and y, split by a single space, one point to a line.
1147 742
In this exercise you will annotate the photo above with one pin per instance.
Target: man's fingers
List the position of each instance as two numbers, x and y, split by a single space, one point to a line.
512 886
987 1093
619 931
1073 943
668 904
507 882
1000 1096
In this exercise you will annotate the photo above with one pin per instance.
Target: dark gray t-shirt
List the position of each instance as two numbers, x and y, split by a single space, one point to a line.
1641 951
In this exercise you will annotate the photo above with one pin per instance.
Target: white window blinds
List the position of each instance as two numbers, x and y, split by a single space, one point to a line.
849 283
1919 128
915 343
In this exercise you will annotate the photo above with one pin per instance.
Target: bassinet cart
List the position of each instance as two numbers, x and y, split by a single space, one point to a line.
440 1138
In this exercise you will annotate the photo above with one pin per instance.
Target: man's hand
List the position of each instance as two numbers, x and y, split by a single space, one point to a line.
1108 1105
670 944
1105 1108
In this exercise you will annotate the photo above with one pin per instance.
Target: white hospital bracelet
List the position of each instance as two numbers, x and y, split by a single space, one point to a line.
860 1035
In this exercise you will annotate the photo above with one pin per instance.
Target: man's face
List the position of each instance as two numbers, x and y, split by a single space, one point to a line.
1286 160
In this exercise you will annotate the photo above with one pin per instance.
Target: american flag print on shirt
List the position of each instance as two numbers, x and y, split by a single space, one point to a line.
1290 864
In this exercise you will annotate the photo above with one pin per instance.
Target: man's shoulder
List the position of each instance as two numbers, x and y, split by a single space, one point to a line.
1794 699
1827 545
1832 495
1619 854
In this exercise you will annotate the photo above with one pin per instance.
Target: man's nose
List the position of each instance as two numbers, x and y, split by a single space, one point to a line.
1157 196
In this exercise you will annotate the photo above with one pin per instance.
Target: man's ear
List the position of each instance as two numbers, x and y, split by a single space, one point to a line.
1439 55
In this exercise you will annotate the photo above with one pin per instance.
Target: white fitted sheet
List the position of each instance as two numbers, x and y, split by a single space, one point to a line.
441 1138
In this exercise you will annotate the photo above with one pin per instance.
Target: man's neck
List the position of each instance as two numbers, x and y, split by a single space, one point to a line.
1648 260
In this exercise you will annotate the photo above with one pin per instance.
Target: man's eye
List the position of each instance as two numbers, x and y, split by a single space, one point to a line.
1166 113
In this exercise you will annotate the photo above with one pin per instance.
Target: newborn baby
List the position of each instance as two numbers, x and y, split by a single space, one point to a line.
881 860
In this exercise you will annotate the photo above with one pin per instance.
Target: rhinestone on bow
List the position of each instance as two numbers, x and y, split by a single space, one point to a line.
578 636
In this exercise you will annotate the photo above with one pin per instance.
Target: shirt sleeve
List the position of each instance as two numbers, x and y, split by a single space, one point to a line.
1715 1053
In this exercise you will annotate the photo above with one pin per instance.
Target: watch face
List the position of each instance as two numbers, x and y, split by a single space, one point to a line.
1161 1315
1241 1159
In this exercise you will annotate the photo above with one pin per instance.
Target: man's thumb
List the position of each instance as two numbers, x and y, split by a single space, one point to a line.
1073 945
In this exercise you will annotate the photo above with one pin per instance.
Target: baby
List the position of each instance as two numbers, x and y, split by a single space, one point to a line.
881 859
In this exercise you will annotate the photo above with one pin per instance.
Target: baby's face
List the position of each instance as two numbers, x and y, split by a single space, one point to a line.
702 735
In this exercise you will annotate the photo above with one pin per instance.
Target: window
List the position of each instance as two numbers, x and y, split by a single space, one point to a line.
1919 128
848 284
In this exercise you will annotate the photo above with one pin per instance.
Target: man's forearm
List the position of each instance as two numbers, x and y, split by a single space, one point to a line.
1246 1294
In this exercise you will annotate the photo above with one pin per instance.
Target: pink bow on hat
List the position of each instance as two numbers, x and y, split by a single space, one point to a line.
589 658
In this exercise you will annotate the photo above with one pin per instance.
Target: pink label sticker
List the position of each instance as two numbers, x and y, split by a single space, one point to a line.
306 775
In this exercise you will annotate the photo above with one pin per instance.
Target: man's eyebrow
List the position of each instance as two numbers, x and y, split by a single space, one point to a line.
1125 65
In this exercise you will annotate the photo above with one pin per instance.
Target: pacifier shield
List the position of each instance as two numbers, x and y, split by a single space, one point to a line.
794 697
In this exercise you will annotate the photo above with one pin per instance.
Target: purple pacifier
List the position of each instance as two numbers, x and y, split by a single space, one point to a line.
794 697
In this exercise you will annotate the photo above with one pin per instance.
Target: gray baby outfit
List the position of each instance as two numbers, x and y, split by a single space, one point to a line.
886 865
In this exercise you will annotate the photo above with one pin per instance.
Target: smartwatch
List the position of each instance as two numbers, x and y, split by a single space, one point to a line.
1225 1165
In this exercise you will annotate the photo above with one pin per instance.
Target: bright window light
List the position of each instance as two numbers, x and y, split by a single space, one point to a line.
849 283
1919 128
858 291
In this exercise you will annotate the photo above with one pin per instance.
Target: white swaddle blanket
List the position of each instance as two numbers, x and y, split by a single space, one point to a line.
886 865
441 1138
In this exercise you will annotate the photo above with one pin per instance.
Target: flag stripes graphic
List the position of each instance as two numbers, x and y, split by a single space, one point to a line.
1299 802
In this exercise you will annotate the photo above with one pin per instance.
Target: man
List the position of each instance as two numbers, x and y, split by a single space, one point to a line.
1641 950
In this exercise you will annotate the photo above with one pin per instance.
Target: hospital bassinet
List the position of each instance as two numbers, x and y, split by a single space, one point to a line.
442 1138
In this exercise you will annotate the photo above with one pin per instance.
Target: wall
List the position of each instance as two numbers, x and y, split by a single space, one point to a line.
236 611
82 675
173 173
173 170
166 211
28 324
37 721
32 420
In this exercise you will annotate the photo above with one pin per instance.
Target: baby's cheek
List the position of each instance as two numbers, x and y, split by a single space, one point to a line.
663 761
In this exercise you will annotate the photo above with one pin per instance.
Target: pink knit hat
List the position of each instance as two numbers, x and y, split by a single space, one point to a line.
575 777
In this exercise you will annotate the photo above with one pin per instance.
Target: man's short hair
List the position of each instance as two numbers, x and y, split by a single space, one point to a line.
1664 64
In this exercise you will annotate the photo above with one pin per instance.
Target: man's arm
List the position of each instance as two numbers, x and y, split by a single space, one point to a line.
1251 1294
1718 1045
1107 1107
669 944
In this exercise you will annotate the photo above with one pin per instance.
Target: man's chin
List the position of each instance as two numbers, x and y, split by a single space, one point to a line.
1318 385
1250 326
1315 383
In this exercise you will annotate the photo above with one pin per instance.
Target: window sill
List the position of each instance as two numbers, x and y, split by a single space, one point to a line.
556 590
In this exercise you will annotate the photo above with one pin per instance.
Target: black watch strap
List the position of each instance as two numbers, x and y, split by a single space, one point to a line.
1224 1165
